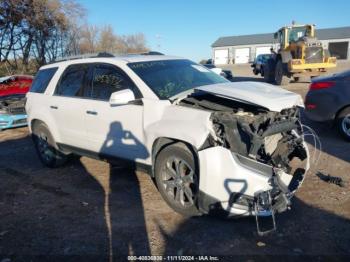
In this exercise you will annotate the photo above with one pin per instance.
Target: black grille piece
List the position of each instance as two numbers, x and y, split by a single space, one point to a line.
19 121
16 110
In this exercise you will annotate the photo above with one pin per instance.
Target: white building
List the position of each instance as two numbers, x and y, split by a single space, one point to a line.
243 49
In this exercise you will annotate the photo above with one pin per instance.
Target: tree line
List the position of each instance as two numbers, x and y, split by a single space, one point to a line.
36 32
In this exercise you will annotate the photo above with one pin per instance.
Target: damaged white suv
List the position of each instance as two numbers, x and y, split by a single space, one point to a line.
209 143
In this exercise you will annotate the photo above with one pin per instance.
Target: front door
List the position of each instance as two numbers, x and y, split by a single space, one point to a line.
114 130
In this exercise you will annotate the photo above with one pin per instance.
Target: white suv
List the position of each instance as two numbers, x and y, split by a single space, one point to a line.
209 143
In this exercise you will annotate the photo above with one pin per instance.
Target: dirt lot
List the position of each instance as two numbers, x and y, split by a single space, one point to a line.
88 210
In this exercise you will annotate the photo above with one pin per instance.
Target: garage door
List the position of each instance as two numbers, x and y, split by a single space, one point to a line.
242 55
262 50
339 49
221 57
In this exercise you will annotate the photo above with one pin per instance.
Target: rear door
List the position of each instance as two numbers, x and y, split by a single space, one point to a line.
68 106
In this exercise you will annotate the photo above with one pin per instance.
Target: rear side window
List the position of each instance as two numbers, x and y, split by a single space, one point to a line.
72 81
42 79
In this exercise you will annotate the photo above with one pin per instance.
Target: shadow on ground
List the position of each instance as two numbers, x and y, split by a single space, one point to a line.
304 230
70 211
63 212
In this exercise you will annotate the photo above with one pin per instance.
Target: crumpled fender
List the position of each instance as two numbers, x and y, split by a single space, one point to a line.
162 119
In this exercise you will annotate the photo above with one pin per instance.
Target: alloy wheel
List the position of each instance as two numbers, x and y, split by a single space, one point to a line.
346 125
44 147
178 180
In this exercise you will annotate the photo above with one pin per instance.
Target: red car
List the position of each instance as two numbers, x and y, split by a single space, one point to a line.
12 99
15 85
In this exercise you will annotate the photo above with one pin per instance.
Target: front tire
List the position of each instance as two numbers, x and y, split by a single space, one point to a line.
177 178
343 123
46 147
280 77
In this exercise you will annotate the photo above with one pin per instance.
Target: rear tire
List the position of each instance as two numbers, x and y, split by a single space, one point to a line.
177 178
343 123
280 77
46 147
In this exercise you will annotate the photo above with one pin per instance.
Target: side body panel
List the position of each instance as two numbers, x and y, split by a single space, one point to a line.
116 130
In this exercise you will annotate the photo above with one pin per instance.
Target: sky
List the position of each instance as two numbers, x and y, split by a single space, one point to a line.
188 28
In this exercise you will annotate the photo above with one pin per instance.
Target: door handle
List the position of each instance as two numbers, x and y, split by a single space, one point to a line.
91 112
54 107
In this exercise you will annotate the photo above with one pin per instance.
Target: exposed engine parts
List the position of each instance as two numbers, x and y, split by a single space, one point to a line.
13 104
271 138
253 131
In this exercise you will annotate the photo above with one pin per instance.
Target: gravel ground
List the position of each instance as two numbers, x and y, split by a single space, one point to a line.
89 210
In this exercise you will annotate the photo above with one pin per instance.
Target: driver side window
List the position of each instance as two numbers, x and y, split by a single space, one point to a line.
107 79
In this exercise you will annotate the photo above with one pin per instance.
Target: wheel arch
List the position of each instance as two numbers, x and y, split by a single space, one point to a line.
50 125
162 142
35 121
339 111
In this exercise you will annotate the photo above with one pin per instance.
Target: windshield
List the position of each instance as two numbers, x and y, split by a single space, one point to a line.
298 32
266 57
168 78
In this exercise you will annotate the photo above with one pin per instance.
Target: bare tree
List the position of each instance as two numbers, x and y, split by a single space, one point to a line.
135 43
34 32
107 40
89 39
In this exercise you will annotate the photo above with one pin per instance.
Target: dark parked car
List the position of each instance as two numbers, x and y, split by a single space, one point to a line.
259 62
223 72
328 100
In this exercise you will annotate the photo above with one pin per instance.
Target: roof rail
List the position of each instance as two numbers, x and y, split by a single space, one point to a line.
91 55
101 54
145 53
152 53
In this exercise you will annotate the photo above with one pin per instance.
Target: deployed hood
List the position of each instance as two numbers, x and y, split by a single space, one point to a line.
261 94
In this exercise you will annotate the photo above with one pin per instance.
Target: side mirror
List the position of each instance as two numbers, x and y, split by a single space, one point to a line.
121 97
275 35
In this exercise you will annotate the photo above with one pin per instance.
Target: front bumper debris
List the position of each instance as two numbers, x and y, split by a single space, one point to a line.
241 186
263 208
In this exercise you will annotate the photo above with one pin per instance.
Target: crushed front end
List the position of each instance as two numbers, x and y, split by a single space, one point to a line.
253 161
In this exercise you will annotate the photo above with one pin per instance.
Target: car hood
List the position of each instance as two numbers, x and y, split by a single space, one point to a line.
261 94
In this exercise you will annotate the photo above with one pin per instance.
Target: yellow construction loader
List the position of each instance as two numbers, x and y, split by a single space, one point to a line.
299 54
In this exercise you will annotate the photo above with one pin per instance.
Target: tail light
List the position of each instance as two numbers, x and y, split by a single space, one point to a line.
321 85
